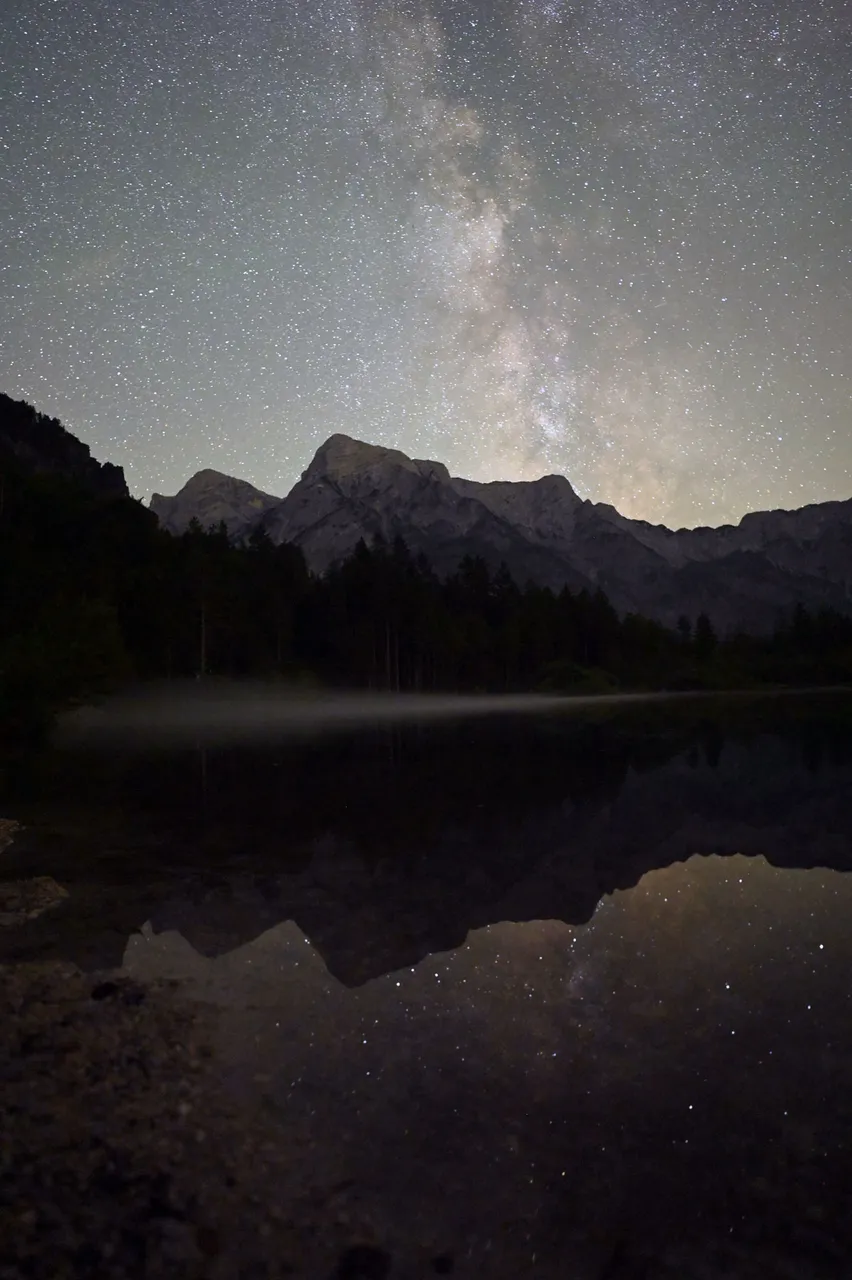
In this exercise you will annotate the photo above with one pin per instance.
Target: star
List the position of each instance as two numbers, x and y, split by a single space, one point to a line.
606 241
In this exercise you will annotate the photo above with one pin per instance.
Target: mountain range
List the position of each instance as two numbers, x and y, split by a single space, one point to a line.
745 575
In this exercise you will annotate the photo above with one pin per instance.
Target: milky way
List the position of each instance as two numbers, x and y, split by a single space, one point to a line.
601 238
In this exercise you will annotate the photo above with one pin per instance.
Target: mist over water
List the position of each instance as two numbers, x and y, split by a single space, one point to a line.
229 712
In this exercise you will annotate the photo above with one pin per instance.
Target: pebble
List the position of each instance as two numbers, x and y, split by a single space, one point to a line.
89 1086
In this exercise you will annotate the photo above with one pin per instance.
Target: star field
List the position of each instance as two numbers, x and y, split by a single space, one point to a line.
604 239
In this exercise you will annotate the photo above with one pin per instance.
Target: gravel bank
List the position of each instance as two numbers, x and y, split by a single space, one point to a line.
121 1157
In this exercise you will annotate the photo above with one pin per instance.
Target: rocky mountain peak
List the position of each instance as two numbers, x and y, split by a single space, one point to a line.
341 457
433 471
211 497
210 479
746 575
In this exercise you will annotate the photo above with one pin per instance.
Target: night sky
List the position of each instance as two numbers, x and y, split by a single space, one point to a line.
607 239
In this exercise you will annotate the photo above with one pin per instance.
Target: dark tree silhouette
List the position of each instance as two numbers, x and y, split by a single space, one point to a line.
93 592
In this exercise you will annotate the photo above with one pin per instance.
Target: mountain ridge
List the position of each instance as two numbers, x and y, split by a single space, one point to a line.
741 575
42 445
212 498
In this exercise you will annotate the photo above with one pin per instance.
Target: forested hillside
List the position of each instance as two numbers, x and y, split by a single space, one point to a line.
93 594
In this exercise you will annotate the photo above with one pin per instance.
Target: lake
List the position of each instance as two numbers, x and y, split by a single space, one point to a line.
557 993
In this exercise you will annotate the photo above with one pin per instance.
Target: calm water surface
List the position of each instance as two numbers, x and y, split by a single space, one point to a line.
549 996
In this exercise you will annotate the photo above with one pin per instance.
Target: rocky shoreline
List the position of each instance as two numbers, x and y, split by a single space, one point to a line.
122 1157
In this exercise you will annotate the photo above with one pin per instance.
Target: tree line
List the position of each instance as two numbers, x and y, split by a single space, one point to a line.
94 594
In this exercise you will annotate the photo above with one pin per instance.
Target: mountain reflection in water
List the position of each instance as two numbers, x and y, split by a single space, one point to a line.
682 1058
525 989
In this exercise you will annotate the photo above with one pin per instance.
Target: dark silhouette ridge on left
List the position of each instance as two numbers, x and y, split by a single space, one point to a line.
43 446
97 595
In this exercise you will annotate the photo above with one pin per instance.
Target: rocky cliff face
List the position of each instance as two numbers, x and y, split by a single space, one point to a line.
212 499
42 445
352 491
741 575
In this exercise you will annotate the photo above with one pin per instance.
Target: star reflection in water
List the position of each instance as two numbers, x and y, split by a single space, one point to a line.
679 1065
